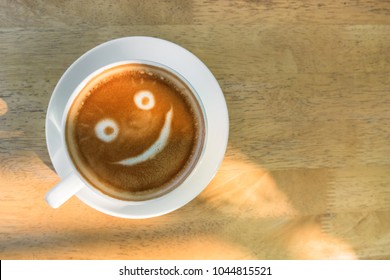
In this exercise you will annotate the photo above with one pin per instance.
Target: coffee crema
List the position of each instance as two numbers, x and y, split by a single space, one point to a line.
135 131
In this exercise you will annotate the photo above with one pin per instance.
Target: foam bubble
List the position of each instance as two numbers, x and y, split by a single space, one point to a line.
106 130
144 100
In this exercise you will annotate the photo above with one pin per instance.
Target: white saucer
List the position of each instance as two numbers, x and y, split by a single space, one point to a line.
180 60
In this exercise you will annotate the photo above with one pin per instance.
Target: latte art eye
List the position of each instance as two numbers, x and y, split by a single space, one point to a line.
144 100
106 130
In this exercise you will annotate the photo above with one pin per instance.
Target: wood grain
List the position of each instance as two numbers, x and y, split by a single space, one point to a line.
307 170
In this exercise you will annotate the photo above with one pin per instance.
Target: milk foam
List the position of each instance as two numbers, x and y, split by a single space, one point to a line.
129 151
142 95
101 133
156 147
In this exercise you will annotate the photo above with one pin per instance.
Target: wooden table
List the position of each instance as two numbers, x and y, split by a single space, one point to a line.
307 169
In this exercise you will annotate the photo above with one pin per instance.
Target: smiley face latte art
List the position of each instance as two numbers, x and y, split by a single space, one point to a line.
135 131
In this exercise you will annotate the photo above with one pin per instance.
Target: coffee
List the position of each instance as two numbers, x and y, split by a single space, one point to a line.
135 131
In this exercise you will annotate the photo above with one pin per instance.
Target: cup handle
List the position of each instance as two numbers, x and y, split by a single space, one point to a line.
64 190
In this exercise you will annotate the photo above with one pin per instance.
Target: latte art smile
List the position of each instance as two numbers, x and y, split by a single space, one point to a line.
107 130
135 131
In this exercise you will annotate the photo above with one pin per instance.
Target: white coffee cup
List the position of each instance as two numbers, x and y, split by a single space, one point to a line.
72 183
